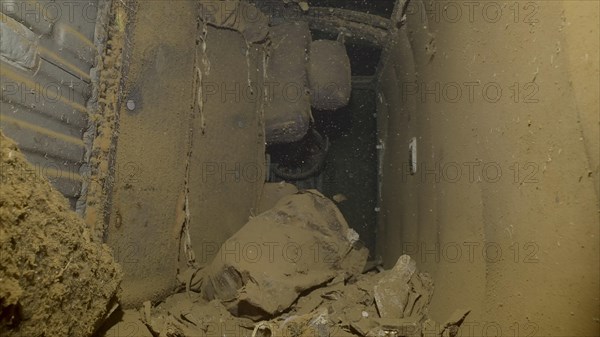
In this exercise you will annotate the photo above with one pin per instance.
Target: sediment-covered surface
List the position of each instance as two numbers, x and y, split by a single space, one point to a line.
54 280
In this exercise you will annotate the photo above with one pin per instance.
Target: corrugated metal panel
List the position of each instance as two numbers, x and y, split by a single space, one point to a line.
43 101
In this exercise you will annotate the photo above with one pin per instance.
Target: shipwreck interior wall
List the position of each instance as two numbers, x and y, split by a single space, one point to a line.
503 208
484 167
189 161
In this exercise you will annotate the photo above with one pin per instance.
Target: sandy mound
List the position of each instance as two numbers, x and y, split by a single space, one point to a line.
53 279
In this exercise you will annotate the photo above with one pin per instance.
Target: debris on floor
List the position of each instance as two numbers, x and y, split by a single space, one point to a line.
252 288
303 242
392 292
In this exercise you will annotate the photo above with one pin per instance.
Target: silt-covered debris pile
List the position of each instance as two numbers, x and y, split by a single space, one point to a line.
299 270
54 279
